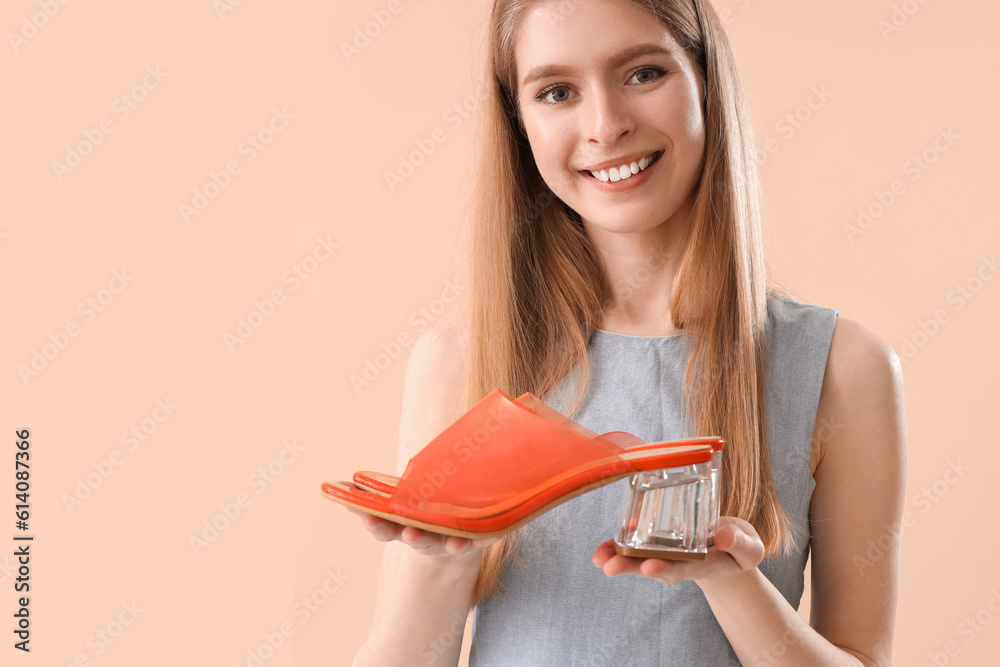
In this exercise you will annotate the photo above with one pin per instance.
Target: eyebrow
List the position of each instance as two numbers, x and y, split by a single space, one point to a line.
615 61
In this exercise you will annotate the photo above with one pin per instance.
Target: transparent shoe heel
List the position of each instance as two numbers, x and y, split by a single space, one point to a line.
671 513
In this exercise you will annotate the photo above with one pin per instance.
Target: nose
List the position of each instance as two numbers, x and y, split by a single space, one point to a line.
607 117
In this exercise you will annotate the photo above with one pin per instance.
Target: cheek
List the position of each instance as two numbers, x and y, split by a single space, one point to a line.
686 130
687 123
551 144
695 118
677 109
694 125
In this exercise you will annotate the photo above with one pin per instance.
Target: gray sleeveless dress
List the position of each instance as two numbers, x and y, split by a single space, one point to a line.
557 608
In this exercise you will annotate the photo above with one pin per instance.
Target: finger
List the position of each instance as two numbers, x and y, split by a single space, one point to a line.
424 541
746 549
613 563
418 539
455 545
354 510
429 542
669 571
366 518
619 564
483 542
725 537
603 553
381 529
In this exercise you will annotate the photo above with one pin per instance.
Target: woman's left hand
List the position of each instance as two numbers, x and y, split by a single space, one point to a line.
737 549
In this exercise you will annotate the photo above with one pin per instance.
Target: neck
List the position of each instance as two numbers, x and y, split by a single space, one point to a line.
640 268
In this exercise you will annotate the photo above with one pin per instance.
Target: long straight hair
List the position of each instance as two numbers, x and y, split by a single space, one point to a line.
537 288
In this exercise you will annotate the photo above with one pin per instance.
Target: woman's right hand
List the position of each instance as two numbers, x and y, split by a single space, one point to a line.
425 542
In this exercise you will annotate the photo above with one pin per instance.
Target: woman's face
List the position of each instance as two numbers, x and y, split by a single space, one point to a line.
587 104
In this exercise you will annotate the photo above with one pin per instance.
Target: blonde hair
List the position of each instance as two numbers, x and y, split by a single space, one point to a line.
537 287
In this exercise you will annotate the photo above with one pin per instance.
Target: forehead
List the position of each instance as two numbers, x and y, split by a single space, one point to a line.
584 33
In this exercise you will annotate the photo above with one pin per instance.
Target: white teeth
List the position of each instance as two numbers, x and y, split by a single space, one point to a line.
615 174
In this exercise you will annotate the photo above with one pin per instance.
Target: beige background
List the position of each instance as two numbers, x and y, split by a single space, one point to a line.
161 334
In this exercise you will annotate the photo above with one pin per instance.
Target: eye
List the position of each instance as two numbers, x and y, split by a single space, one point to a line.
648 70
647 74
551 89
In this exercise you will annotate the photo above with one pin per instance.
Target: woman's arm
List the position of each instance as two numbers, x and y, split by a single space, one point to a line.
859 496
423 603
426 583
857 503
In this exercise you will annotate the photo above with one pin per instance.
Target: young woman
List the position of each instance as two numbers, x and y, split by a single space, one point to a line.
617 272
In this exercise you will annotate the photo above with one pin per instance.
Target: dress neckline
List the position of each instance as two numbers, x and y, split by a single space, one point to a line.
621 335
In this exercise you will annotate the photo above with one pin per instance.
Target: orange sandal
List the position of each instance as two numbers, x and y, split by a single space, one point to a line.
384 484
503 463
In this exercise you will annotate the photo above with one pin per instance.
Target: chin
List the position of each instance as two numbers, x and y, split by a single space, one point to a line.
629 220
622 223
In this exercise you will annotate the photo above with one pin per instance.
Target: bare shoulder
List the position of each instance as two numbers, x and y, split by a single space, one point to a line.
861 368
857 354
862 388
432 390
439 357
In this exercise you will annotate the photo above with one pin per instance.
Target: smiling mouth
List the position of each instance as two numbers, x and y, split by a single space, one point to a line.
624 171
